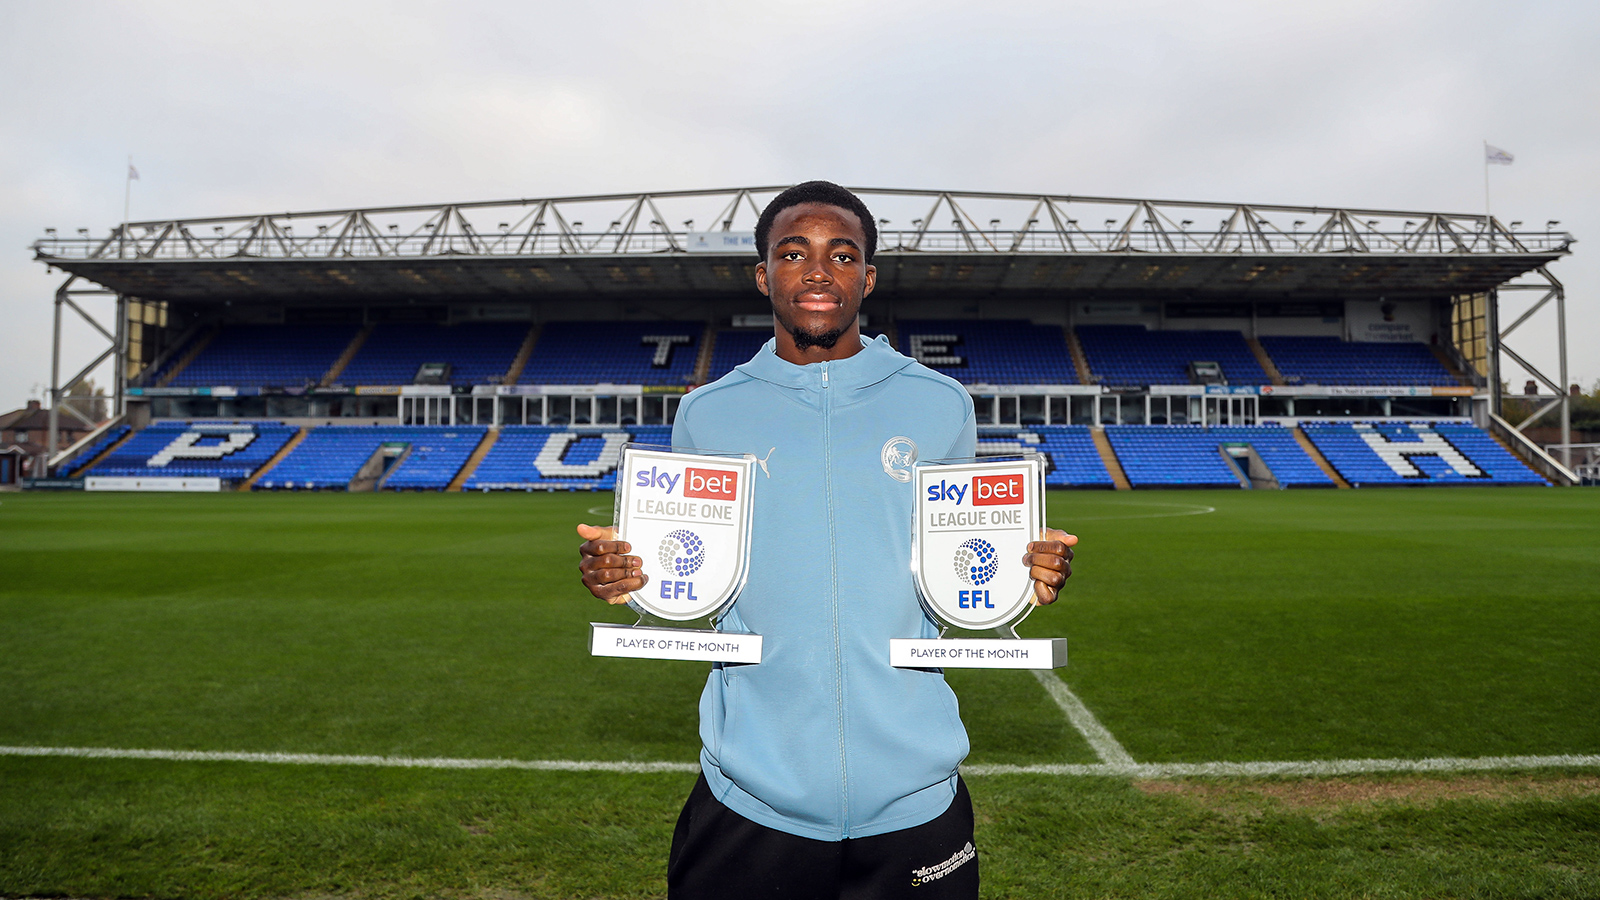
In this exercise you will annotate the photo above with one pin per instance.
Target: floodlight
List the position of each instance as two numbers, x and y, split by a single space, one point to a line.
50 232
216 230
1298 223
994 223
393 228
322 230
1109 223
505 227
1551 224
1515 225
1185 223
83 232
688 224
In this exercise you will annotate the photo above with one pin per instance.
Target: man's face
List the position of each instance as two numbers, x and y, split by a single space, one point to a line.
816 273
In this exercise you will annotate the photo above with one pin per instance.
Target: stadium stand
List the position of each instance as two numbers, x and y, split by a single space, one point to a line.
1070 456
1398 453
226 450
277 355
998 351
73 467
1131 355
1329 360
542 457
478 352
614 352
331 456
734 348
1193 455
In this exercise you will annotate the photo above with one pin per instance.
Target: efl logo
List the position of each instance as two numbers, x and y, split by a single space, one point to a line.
711 484
996 490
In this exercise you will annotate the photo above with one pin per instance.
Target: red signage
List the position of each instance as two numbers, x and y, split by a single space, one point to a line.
997 490
712 484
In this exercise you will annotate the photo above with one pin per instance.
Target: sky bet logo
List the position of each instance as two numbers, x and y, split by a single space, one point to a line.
987 490
704 484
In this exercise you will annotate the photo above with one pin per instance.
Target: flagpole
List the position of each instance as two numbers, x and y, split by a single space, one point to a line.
127 199
1487 213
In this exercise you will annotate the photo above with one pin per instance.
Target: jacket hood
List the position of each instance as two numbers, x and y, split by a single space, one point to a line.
876 361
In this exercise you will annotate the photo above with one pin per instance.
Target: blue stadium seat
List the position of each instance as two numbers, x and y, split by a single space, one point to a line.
1329 360
197 450
1380 454
614 352
1130 355
478 352
1192 455
331 455
990 351
734 348
1071 459
571 458
276 355
73 467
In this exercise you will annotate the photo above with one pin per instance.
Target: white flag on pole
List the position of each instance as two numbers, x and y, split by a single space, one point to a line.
1495 156
133 174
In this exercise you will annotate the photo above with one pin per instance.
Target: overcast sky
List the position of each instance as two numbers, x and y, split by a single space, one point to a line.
232 108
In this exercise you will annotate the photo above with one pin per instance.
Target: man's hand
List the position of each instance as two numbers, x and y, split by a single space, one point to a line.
1050 563
608 572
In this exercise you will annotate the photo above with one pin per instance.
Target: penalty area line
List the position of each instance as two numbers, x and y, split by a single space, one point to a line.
323 759
1315 767
1114 770
1103 742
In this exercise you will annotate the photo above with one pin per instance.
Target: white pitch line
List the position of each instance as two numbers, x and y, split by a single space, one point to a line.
1307 767
1131 770
1103 743
322 759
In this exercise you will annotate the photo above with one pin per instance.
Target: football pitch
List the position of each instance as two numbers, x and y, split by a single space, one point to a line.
1376 693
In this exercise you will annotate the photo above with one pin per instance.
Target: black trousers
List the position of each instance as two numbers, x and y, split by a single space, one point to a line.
717 853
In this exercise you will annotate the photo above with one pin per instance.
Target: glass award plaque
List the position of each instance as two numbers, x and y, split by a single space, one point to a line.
687 515
974 521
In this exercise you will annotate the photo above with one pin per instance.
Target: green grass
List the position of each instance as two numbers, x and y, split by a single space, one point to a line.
1283 625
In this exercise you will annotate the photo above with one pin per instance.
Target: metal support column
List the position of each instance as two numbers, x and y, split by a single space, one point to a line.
119 378
1566 388
41 469
1492 313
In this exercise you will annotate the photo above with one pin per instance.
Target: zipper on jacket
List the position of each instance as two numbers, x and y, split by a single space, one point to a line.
833 583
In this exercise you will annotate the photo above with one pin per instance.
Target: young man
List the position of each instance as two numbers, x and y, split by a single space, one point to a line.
826 772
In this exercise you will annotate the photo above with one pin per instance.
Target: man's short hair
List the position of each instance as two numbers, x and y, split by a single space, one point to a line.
817 192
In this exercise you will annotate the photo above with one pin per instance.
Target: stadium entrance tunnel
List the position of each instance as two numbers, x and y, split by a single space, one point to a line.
371 475
1254 473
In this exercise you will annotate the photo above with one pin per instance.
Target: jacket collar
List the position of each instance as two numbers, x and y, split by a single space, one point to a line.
876 361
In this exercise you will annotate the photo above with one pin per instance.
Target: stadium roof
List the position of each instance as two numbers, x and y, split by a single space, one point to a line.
931 242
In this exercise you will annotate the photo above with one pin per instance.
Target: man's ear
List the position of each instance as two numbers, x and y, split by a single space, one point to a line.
872 280
761 278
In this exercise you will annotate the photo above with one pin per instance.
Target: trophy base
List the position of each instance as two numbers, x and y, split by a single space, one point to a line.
641 642
978 653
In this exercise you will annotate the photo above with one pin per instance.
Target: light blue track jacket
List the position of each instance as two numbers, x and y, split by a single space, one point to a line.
824 739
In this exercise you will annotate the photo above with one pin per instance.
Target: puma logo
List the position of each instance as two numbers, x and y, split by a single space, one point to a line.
763 462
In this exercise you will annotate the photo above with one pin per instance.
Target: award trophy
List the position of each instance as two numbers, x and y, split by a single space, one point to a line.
974 521
687 515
